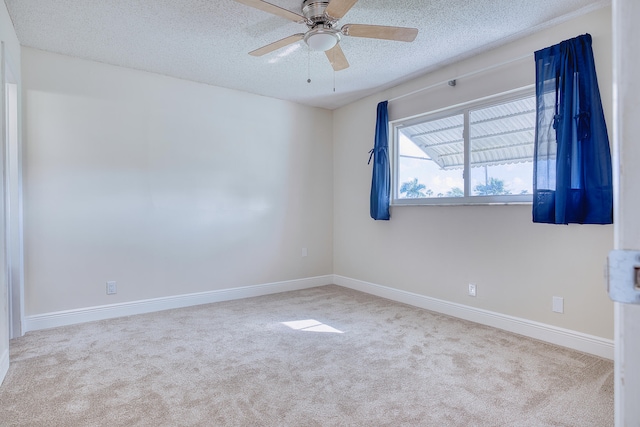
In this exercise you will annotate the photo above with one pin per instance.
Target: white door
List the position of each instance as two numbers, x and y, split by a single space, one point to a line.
626 136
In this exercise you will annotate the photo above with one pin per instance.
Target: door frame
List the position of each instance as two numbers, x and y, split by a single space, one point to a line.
12 180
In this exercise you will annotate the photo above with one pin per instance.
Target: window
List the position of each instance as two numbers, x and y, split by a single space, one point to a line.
479 153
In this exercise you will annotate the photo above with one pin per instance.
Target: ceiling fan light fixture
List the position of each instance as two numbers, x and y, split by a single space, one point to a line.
321 39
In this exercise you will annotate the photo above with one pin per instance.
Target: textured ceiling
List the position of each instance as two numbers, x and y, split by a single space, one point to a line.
208 40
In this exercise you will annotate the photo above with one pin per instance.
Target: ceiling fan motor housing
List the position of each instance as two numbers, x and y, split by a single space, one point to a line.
313 10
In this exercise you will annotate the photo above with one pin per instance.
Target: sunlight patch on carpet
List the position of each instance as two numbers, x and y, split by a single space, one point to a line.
311 325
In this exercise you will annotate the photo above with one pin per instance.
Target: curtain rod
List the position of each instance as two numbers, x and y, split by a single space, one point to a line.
471 73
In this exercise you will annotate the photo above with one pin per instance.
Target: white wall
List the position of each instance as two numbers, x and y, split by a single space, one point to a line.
436 251
12 54
166 186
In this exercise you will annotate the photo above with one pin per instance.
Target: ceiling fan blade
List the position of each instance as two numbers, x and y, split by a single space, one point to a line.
336 57
276 45
273 9
338 8
401 34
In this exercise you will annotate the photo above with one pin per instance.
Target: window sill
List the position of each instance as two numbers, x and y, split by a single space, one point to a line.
465 201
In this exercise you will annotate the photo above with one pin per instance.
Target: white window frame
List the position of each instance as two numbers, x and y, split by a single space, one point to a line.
463 109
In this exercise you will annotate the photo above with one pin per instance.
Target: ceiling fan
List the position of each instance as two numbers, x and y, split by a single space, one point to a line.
321 17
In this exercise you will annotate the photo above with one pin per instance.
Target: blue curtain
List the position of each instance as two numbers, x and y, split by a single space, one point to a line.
381 179
572 180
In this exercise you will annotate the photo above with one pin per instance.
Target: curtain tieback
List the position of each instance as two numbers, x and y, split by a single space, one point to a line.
376 150
371 155
556 120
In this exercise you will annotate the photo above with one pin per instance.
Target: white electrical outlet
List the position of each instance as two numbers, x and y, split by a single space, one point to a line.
472 290
112 288
304 252
557 304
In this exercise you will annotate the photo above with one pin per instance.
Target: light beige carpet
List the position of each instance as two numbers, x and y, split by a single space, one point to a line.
326 356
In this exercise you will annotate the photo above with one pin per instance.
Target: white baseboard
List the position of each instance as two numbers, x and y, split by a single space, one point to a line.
564 337
90 314
4 365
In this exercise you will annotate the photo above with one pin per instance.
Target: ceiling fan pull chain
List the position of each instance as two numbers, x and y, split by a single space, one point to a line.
333 61
334 80
309 65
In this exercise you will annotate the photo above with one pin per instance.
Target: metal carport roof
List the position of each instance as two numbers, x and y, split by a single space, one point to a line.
500 134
